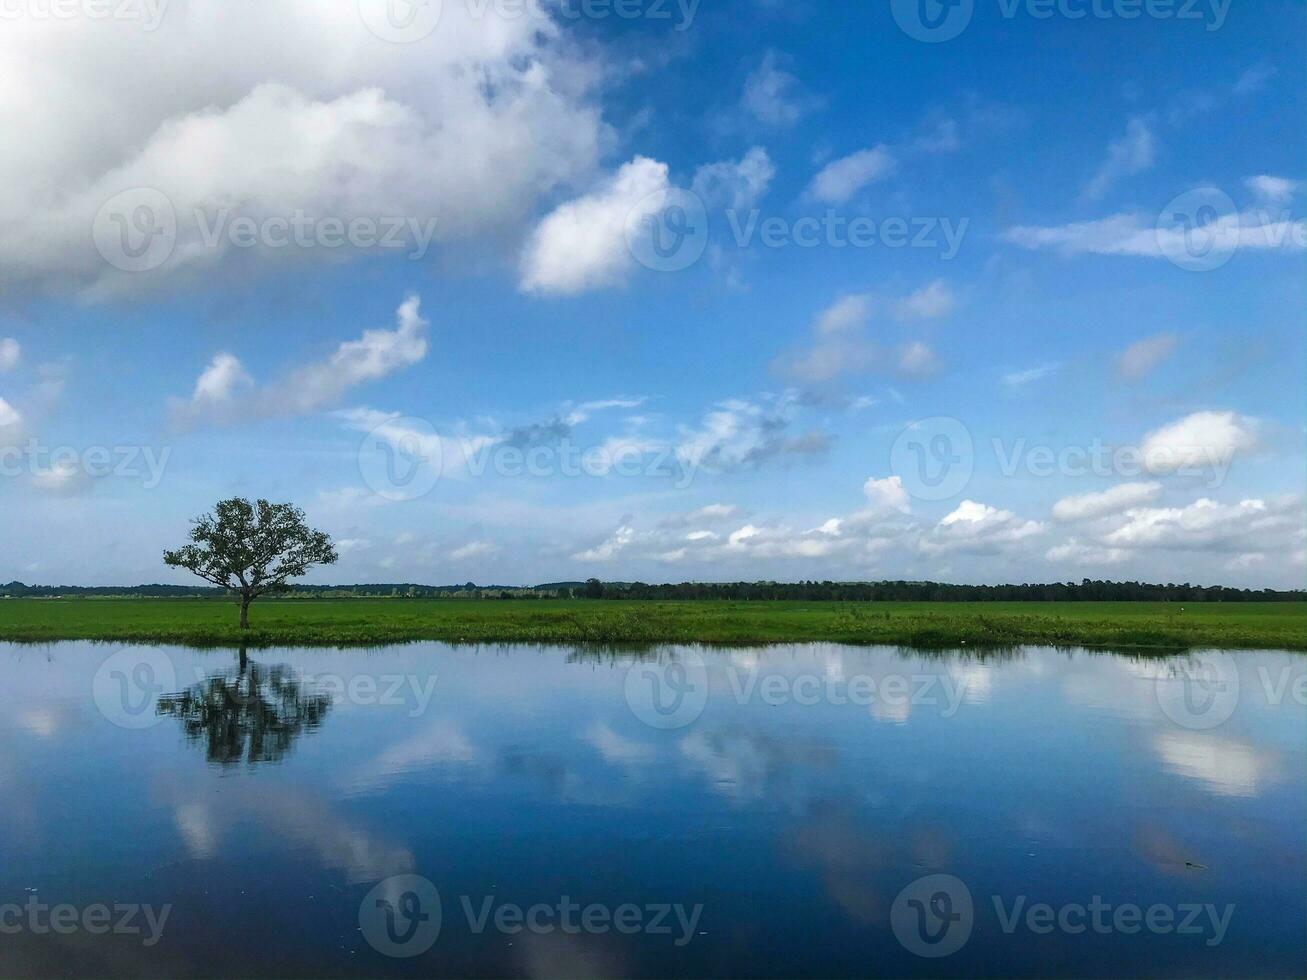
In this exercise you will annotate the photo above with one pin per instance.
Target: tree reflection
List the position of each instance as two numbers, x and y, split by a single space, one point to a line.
253 713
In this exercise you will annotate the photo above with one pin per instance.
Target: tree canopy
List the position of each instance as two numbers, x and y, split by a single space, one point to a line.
252 549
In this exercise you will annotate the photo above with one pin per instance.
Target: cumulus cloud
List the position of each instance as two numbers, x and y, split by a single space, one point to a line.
9 417
773 96
841 346
1272 190
1252 534
474 549
1074 552
839 180
582 245
1087 506
978 528
887 493
1203 439
470 128
931 301
10 352
858 537
738 433
1143 356
610 547
219 383
453 454
1132 154
225 393
1118 527
1208 525
732 184
917 360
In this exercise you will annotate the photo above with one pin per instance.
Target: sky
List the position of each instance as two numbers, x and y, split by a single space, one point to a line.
661 290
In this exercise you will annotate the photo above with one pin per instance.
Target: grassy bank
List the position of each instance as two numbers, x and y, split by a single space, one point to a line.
347 622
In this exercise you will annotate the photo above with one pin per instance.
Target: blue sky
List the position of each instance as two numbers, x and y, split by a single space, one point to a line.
1019 368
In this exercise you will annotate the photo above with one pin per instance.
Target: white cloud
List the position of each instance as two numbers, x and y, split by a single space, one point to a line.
929 302
609 548
841 179
729 184
582 245
978 528
62 477
1208 525
1272 190
10 352
1203 439
1138 235
220 381
887 494
1132 154
844 314
582 412
1254 79
774 96
1088 506
738 433
841 346
474 549
225 393
1073 552
943 138
452 454
472 127
1019 379
917 360
9 416
1140 358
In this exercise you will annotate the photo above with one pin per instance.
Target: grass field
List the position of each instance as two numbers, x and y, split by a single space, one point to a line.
367 622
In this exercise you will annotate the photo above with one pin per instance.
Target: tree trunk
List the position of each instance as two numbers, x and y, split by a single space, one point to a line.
245 612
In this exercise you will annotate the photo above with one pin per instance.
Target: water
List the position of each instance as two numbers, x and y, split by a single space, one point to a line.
789 811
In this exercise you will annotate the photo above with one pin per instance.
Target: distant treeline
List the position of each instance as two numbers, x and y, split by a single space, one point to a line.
1087 590
19 590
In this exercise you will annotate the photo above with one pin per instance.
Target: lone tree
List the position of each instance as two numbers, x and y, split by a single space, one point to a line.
252 549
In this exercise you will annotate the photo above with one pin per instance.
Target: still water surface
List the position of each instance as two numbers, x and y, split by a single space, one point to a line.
809 810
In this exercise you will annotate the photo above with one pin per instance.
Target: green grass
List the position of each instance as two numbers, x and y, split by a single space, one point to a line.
368 622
